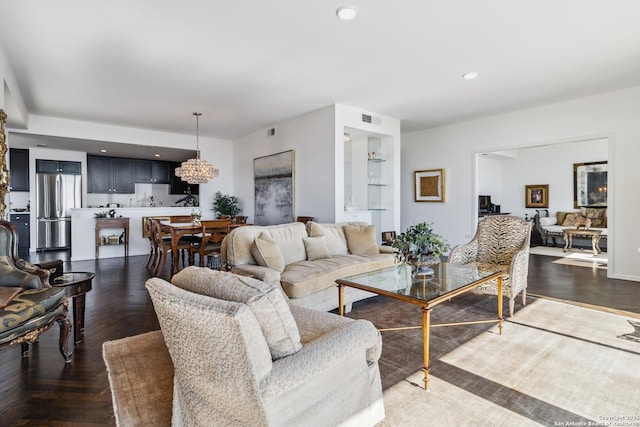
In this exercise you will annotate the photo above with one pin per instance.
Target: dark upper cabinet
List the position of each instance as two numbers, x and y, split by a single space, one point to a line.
19 163
110 175
178 186
58 166
153 172
22 221
162 172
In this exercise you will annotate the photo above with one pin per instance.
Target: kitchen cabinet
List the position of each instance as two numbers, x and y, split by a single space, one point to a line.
58 166
110 175
148 171
178 186
22 223
19 169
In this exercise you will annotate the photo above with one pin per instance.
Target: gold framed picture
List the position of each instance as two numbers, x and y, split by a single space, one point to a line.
428 185
536 196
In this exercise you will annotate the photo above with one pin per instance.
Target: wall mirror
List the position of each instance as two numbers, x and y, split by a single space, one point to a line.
590 184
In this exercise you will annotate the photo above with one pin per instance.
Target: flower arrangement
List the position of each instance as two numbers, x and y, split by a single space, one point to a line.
418 243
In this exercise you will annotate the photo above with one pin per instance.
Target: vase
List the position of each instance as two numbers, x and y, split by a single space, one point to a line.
421 264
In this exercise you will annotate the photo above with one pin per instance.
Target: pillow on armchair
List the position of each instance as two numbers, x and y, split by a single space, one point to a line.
267 303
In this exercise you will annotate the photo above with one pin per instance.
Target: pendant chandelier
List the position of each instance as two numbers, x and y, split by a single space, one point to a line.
197 170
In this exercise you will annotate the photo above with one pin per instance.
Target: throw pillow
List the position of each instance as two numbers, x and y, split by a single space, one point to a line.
266 301
267 253
570 220
361 240
336 240
546 221
316 248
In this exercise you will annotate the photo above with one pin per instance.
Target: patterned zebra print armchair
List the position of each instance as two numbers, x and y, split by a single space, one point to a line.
501 241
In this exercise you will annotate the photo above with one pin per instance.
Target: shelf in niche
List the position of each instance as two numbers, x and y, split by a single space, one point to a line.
377 185
376 160
377 209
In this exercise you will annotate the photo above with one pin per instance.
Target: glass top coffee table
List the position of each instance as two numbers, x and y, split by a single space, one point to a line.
425 291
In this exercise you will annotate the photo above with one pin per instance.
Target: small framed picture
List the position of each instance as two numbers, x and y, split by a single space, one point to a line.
536 196
429 185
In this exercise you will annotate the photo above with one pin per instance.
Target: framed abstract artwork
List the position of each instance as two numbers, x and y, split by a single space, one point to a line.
428 185
536 196
273 179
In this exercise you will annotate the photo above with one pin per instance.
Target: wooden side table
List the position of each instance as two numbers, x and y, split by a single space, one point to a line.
594 234
76 285
123 223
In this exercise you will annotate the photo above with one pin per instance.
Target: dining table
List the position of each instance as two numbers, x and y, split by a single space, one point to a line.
177 230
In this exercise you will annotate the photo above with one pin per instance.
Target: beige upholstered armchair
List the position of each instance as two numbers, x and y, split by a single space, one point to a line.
501 241
242 356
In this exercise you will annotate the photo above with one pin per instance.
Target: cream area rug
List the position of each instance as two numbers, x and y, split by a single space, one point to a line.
578 258
554 364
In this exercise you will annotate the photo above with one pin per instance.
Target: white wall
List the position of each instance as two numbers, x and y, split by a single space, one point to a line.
611 115
312 137
551 165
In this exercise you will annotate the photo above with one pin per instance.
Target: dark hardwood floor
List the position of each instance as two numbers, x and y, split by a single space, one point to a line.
42 391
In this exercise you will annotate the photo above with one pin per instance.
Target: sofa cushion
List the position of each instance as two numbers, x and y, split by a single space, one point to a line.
266 302
267 253
316 248
304 278
336 240
237 244
598 216
361 240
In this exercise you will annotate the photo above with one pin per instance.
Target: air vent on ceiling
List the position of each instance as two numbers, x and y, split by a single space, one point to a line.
367 118
271 132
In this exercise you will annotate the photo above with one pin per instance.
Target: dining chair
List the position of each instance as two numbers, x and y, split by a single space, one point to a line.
304 219
164 247
153 245
213 232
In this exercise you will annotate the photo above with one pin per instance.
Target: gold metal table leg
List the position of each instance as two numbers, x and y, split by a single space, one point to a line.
500 304
341 300
426 320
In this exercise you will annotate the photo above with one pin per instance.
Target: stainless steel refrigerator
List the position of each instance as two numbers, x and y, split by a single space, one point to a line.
56 195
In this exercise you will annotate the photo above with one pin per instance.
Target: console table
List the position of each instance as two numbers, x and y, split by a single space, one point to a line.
594 234
123 223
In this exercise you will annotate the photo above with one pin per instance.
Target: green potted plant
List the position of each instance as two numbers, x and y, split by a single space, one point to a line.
420 246
225 206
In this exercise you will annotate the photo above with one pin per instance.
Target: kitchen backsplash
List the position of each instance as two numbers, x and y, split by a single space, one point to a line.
142 197
145 195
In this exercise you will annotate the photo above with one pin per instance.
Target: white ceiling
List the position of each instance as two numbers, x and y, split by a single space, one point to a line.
250 64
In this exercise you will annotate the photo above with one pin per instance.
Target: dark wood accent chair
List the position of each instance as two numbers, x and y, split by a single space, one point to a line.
29 305
388 237
213 232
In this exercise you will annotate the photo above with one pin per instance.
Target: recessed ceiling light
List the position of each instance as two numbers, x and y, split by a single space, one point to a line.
157 155
470 76
346 13
103 151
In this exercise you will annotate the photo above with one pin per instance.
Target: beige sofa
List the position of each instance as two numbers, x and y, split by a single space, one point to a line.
306 259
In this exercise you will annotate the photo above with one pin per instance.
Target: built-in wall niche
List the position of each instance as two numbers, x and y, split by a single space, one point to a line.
369 176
